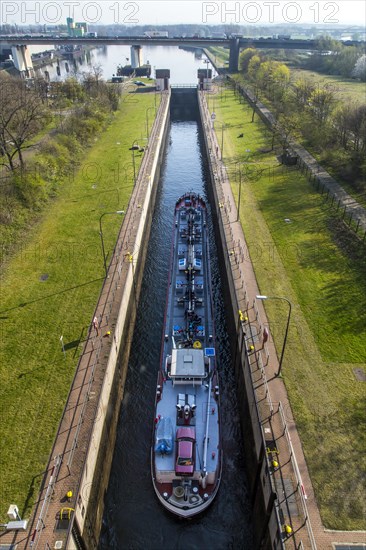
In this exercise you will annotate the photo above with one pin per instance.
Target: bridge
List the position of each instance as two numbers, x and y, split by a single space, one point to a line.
234 43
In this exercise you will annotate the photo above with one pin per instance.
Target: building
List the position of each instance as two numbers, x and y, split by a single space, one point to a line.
204 79
162 77
76 29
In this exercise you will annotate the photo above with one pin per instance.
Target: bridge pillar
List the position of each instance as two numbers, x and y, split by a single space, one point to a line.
136 57
22 60
234 55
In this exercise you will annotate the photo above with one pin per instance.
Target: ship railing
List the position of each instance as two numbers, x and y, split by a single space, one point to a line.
208 410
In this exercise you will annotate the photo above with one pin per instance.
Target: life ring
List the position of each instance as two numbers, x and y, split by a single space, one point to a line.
197 344
193 499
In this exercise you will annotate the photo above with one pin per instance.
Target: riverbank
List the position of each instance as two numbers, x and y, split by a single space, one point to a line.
300 251
58 272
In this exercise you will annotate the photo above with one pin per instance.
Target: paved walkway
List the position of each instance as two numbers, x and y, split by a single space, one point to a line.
291 479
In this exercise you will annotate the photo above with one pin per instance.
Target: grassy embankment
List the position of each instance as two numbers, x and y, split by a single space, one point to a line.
65 247
220 56
320 267
346 90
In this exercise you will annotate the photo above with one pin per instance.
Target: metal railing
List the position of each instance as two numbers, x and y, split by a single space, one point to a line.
117 269
47 498
258 358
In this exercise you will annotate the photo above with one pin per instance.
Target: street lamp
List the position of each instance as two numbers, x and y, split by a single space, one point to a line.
147 120
260 297
239 197
223 126
134 147
101 236
207 61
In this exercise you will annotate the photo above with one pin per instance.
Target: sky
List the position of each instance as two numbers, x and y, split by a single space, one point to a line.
148 12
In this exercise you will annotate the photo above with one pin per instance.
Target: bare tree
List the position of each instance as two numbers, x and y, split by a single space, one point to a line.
22 115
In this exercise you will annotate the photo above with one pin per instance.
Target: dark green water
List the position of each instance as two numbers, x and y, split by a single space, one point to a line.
133 517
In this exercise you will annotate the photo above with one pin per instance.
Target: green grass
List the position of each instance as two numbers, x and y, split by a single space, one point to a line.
51 125
219 55
320 267
65 245
348 89
332 166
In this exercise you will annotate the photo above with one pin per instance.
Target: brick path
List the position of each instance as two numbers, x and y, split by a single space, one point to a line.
291 478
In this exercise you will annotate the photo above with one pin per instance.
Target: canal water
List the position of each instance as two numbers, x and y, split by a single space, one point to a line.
183 64
133 517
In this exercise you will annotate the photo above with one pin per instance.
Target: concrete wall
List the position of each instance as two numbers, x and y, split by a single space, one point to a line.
94 482
184 101
22 59
265 525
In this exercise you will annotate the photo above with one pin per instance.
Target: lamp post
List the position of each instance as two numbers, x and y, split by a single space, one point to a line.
239 196
101 236
207 61
240 181
223 127
147 121
260 297
134 147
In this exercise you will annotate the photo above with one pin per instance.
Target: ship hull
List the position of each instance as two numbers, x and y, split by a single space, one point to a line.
186 454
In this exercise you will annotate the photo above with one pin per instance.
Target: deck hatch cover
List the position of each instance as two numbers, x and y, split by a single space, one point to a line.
188 363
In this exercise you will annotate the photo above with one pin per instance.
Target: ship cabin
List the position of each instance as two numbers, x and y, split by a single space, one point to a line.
187 366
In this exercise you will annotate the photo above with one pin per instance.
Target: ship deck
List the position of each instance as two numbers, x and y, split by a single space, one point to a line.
167 408
189 324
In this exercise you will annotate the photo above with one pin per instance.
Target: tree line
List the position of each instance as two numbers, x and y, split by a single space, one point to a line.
304 109
332 57
56 121
26 108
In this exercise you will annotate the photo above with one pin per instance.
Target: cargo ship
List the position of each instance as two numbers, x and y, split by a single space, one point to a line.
186 453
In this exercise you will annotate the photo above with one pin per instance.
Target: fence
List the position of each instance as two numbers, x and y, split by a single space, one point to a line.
268 422
354 215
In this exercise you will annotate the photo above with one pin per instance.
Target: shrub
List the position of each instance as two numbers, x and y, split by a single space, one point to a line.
31 188
72 145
